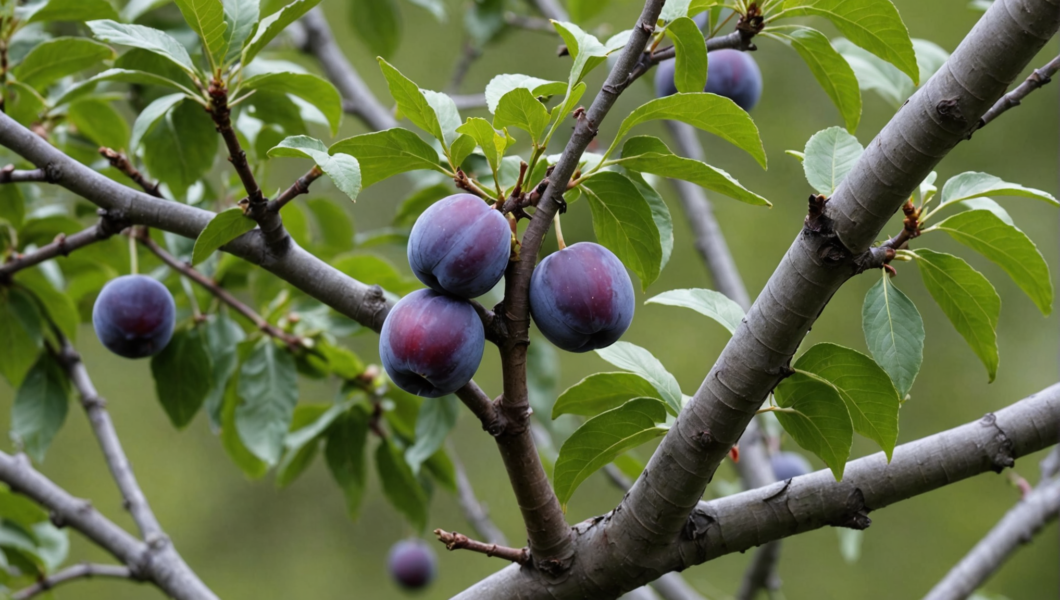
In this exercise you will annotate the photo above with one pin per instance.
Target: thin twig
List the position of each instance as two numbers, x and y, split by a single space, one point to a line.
1037 79
459 541
529 23
62 246
550 9
122 163
299 187
474 511
222 114
470 54
9 175
80 571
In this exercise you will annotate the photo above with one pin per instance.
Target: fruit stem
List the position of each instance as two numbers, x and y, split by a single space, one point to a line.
134 263
559 232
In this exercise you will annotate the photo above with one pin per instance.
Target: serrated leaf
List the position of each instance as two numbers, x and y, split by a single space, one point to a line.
872 401
829 68
383 154
252 466
54 59
268 389
602 392
147 38
223 336
690 71
207 19
400 486
378 24
969 300
183 375
977 185
647 154
66 10
819 421
181 147
501 85
712 304
876 74
492 142
241 17
272 25
40 407
519 108
894 333
343 169
448 116
345 454
410 101
86 87
314 90
635 359
602 438
830 155
1008 247
875 25
436 419
226 226
584 48
623 223
20 335
711 113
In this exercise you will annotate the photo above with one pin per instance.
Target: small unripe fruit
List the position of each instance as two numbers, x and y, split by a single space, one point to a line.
460 246
134 316
431 344
581 297
789 464
412 564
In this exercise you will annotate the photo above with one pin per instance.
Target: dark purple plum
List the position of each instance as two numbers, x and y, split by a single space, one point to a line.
789 464
134 316
412 564
431 344
460 246
581 297
730 73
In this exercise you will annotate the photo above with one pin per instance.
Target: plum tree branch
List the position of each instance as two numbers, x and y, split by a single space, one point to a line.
1035 80
62 246
9 175
69 574
1016 528
459 541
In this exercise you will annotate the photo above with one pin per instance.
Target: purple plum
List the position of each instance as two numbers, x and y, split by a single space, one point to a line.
134 316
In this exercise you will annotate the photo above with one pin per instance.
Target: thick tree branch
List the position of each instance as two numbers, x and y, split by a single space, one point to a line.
742 521
62 246
1035 80
81 571
1016 528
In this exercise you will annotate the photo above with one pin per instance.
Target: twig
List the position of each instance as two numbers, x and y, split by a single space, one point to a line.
222 114
221 293
299 187
122 163
81 571
63 245
1037 79
550 9
529 23
459 541
470 54
474 511
9 175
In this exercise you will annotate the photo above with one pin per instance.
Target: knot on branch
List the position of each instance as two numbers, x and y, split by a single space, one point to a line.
856 515
873 258
1003 456
375 304
703 438
53 172
749 26
697 525
950 110
111 222
816 221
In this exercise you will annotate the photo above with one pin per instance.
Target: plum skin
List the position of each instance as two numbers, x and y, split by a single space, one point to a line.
431 344
789 464
460 246
134 316
581 297
730 73
412 564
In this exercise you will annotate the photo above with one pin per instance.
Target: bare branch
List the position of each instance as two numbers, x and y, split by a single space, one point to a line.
529 23
80 571
9 175
63 245
474 511
550 9
122 163
459 541
299 187
469 101
1035 80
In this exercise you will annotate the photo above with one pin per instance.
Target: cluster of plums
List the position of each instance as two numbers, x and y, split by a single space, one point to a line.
730 73
134 316
432 341
412 564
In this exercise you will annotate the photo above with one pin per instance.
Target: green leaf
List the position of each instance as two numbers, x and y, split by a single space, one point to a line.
98 121
602 438
345 454
12 205
411 101
894 332
40 407
830 155
272 25
223 336
303 441
183 375
492 142
872 401
54 59
499 86
635 359
990 205
623 222
334 223
58 307
24 104
831 70
876 74
138 36
584 48
223 228
413 206
977 185
583 10
647 154
378 24
712 304
66 10
519 108
483 20
690 74
20 509
150 116
968 300
448 116
1010 248
400 486
435 7
817 419
135 9
207 19
251 465
660 213
20 335
375 270
383 154
602 392
343 169
314 90
241 18
268 389
875 25
161 78
713 114
181 148
436 419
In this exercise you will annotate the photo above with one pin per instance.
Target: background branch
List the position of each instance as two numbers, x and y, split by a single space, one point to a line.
474 511
1012 99
62 246
81 571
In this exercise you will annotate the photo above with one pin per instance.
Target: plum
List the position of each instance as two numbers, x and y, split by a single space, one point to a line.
412 563
134 316
789 464
431 344
460 246
581 297
730 73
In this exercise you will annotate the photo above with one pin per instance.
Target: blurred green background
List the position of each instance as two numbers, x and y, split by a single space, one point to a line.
251 540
